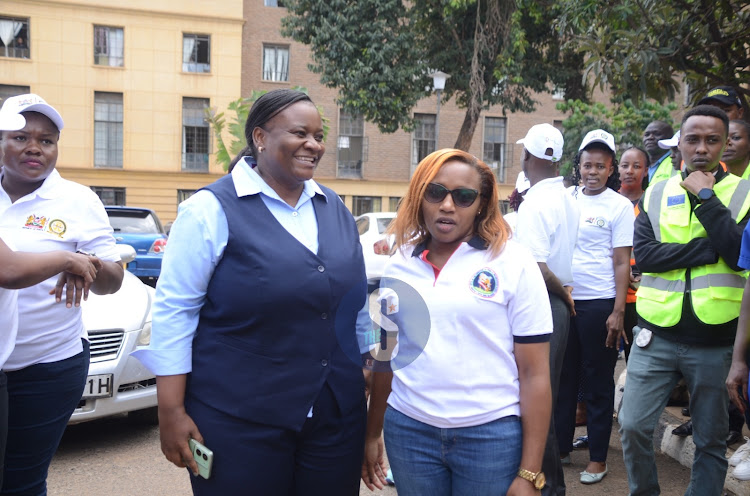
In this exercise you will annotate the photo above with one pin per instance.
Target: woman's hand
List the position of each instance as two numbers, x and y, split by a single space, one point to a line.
373 466
176 428
615 329
77 279
736 382
522 487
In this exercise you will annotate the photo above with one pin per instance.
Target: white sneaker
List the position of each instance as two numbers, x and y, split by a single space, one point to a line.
742 470
742 454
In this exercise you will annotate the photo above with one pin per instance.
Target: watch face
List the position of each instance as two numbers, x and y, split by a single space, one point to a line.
705 193
540 480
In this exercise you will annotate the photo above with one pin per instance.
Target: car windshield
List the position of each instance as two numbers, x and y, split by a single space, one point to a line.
133 222
383 224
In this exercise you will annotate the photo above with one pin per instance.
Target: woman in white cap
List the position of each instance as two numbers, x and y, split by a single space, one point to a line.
601 275
40 211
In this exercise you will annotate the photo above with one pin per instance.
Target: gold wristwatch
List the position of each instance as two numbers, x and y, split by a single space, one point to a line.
536 478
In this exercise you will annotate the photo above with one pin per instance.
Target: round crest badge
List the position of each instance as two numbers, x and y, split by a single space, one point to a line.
484 283
58 227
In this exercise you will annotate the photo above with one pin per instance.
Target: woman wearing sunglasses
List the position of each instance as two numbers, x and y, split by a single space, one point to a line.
469 414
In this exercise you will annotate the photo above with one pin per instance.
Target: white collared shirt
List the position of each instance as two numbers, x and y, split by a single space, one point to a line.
59 215
547 224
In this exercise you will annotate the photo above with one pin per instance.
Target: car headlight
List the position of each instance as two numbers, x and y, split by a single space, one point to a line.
144 338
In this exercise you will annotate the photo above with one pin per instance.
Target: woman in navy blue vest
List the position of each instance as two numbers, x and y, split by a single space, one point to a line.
254 316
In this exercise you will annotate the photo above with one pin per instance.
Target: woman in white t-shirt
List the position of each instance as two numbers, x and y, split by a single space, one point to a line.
40 211
469 400
601 275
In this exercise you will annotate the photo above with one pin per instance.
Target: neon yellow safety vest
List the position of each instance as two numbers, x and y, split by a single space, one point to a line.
715 290
664 171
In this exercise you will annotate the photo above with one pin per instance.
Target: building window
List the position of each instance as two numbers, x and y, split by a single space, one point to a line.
195 135
275 63
196 53
184 194
274 3
558 93
107 129
14 37
9 90
423 142
494 146
364 204
108 46
110 196
350 151
393 203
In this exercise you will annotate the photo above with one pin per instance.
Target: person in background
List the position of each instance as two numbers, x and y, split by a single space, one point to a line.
687 243
255 310
548 226
601 275
737 153
661 162
674 152
633 182
470 414
725 98
39 212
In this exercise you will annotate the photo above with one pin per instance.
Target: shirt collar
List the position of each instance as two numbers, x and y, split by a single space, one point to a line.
476 242
544 183
248 182
658 162
49 188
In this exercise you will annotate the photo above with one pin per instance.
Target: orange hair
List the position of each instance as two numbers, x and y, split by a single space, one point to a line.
409 226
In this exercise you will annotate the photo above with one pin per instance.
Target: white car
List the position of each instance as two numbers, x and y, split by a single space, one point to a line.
117 324
375 245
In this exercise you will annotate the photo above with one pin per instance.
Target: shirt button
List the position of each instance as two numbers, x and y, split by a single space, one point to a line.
324 316
321 268
324 363
295 214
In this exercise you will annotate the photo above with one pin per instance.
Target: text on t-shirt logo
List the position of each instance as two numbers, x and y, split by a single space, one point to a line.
57 227
596 221
484 283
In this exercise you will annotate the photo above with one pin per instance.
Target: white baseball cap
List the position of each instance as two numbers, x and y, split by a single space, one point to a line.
542 137
30 102
598 136
670 142
522 182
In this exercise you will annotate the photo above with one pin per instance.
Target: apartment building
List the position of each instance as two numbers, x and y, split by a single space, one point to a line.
131 80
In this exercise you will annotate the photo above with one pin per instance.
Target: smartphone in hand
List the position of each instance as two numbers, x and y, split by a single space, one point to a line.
203 456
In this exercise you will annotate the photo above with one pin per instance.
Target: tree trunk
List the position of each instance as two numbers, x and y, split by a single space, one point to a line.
466 134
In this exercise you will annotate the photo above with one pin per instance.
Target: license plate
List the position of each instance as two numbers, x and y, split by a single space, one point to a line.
98 386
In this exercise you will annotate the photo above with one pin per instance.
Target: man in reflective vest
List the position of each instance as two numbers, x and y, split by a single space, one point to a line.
687 243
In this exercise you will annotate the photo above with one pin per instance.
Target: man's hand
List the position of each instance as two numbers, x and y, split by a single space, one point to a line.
520 487
615 329
698 180
736 382
373 465
569 301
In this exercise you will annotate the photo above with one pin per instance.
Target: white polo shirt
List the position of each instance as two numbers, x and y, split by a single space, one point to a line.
59 215
548 226
8 319
606 223
478 307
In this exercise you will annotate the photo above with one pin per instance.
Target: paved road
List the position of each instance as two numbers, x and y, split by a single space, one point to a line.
114 457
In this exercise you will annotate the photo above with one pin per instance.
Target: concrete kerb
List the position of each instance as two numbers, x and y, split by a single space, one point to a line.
681 449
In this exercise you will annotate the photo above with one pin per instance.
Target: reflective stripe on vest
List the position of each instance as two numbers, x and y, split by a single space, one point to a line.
653 209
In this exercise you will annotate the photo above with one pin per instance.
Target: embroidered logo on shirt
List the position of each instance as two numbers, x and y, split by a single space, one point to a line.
596 221
675 200
57 227
484 283
35 223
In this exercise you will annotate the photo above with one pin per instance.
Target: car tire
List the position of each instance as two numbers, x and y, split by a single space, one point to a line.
147 416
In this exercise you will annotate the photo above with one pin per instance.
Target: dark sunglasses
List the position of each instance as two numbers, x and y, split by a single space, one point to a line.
462 197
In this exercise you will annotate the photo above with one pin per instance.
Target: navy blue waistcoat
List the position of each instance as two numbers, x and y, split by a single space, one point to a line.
279 321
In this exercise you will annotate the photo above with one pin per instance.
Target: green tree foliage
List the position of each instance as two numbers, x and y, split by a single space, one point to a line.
643 48
623 119
241 107
378 54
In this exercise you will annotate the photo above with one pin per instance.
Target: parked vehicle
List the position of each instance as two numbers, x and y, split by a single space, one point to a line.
117 324
141 229
376 247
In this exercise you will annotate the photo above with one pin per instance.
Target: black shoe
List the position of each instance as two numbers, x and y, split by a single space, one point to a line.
734 437
581 443
686 411
684 430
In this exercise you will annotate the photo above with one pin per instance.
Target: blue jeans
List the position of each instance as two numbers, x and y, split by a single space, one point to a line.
42 398
471 461
653 372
